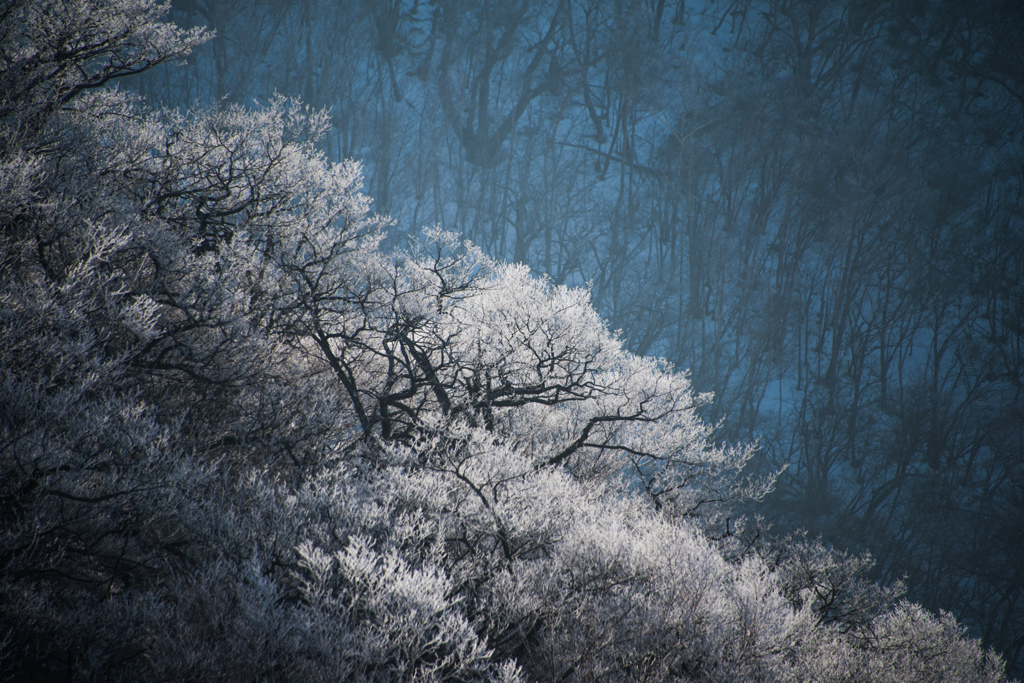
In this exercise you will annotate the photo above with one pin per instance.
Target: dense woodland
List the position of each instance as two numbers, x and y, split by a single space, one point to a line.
255 425
816 206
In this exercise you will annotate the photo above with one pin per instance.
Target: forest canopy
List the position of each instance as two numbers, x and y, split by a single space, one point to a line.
245 435
814 206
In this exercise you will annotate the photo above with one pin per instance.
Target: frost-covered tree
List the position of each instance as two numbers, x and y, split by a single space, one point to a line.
239 441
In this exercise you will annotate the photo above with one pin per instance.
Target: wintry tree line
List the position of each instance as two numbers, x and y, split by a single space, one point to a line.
240 439
813 205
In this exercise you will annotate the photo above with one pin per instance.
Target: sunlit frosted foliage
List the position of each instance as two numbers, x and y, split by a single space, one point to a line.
53 50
